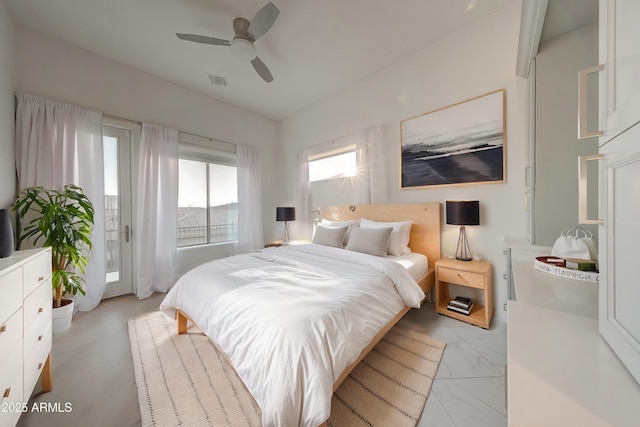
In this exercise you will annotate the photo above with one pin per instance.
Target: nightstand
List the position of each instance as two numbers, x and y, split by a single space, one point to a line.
470 274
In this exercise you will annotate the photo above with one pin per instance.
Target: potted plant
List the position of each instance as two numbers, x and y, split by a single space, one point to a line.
64 219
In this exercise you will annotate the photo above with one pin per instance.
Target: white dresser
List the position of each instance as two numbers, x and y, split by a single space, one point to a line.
25 329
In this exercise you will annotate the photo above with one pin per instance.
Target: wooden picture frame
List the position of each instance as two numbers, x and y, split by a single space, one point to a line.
463 143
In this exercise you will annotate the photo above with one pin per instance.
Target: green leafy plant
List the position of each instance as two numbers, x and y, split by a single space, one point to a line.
64 219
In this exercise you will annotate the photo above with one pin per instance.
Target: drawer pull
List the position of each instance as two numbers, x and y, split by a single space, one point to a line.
40 310
40 279
7 392
40 338
39 365
3 328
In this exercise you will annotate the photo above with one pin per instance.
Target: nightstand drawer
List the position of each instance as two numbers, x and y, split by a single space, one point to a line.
457 277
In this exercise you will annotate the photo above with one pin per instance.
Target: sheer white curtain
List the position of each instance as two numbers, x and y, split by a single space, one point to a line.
371 168
157 204
250 236
59 144
303 223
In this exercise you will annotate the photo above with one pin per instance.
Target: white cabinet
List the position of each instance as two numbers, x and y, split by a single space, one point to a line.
619 178
619 47
618 244
25 329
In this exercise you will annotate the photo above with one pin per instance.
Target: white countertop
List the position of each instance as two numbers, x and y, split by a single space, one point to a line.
545 290
561 372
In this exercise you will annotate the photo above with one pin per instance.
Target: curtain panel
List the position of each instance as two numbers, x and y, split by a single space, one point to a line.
59 144
250 235
370 166
303 223
157 210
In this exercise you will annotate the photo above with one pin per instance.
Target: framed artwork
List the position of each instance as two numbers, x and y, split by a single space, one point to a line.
463 143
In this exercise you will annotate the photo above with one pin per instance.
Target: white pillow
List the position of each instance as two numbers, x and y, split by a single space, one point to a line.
329 236
373 241
349 223
399 240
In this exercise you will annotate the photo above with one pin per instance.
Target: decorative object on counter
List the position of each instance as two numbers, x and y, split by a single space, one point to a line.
575 243
6 234
285 214
463 212
559 267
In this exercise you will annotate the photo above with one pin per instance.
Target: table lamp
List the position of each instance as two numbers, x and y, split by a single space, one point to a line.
285 214
463 212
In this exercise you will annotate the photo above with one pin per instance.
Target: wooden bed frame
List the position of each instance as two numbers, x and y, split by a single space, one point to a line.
424 239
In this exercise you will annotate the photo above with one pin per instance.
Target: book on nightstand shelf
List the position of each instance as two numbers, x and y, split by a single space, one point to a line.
461 305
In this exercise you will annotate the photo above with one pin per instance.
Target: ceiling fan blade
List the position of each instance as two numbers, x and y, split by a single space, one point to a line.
263 20
262 70
203 39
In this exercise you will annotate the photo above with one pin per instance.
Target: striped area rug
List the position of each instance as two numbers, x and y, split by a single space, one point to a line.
184 380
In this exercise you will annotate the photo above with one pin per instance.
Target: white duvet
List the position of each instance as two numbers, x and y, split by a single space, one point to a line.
291 319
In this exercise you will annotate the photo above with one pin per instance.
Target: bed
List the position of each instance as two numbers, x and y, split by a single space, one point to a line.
294 321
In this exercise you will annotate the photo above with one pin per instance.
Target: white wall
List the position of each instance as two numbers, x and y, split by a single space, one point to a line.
557 146
60 71
472 62
7 110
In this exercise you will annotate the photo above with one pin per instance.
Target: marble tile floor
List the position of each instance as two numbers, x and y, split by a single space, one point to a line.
469 389
92 370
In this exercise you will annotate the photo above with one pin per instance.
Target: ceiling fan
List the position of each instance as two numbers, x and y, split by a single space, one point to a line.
246 33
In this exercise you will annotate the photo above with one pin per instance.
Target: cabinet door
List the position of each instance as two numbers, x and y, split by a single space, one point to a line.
619 237
620 53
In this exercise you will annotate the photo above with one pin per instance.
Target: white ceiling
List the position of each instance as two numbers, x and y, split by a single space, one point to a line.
315 48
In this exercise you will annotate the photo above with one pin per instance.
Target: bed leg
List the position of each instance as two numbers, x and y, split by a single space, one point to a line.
182 322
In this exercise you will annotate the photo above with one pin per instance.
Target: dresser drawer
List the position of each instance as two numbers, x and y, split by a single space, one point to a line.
465 278
10 293
33 343
34 361
11 388
36 271
10 336
12 405
37 310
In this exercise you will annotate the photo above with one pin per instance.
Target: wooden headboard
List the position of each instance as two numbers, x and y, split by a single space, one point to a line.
425 231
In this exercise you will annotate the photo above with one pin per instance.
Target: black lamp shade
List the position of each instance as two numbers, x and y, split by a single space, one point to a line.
463 212
285 214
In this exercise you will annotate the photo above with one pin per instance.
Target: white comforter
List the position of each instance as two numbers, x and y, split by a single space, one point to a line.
291 319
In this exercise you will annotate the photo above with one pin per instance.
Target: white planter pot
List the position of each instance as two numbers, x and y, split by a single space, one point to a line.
62 318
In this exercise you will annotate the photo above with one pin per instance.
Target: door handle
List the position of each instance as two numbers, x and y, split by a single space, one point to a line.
583 133
126 233
582 189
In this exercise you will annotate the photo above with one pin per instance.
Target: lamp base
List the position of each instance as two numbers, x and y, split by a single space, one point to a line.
463 253
285 235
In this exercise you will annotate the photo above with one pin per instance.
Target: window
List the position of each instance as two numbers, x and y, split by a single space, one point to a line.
333 164
207 200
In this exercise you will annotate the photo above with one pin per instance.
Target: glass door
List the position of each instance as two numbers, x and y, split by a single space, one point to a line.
117 189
